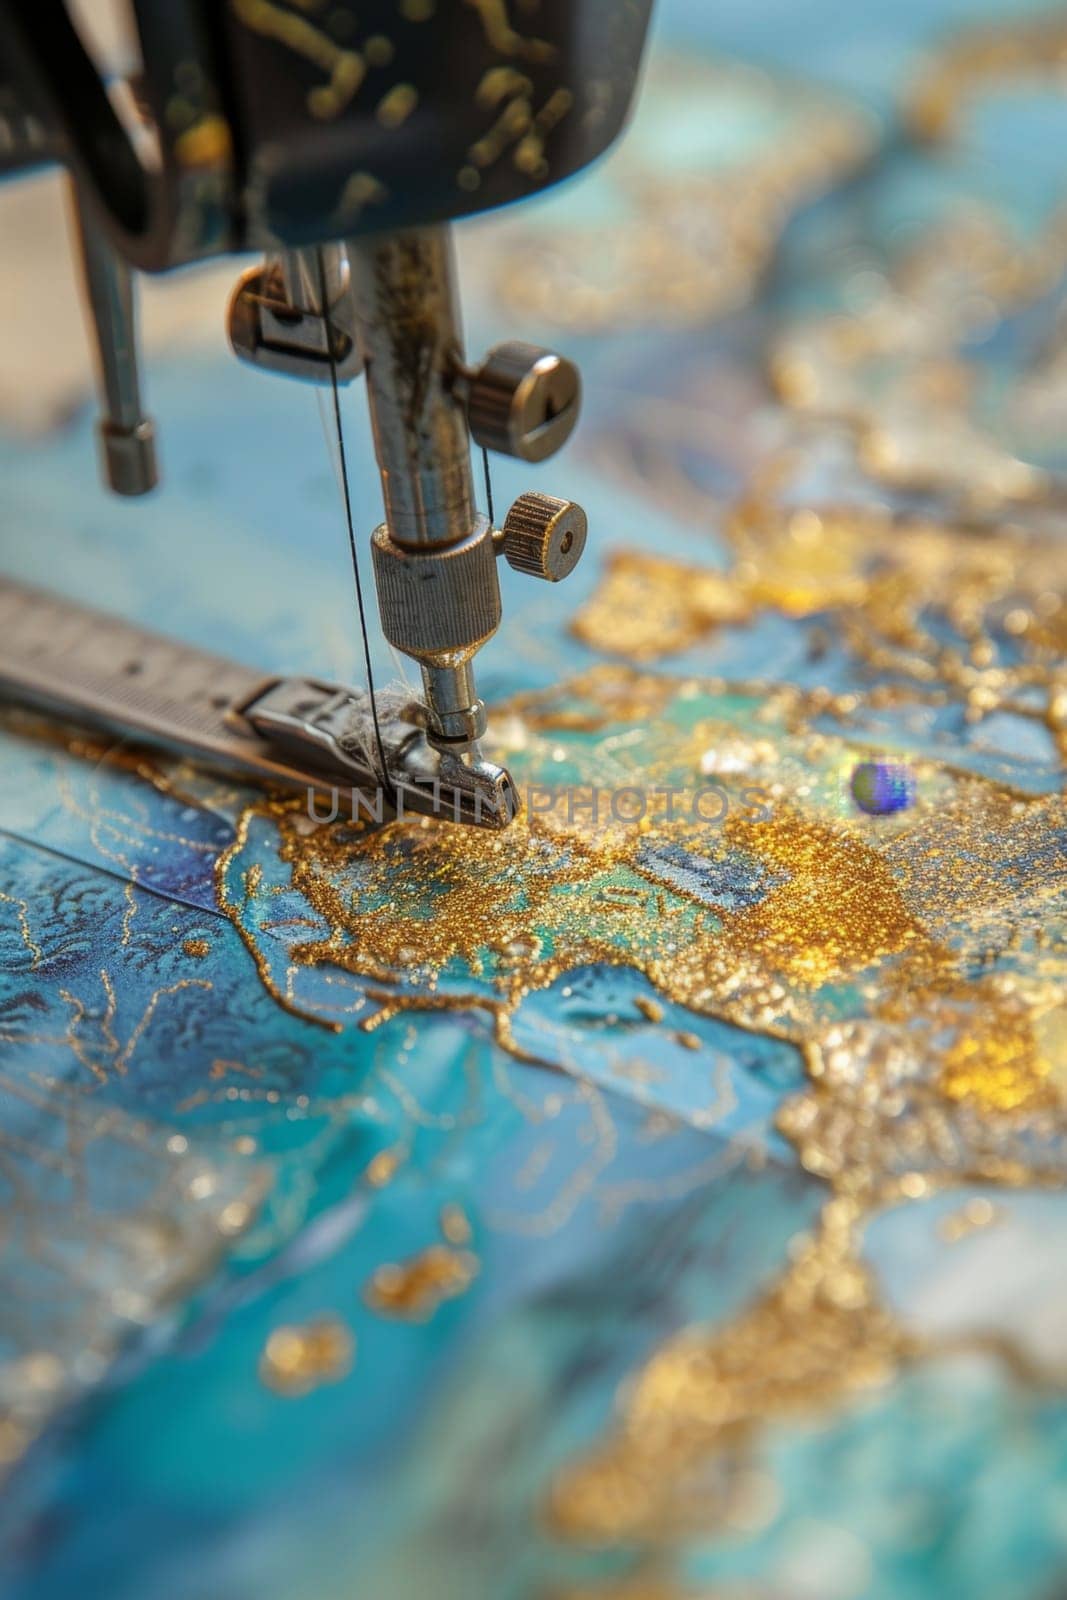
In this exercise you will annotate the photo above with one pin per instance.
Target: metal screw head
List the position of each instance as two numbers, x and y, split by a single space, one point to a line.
543 536
524 401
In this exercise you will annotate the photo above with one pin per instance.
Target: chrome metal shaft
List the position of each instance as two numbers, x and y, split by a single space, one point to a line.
409 331
434 557
127 435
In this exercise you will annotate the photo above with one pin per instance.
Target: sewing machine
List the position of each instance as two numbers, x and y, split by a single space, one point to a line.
340 141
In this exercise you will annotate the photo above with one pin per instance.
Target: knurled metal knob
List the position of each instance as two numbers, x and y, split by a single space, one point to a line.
523 401
543 536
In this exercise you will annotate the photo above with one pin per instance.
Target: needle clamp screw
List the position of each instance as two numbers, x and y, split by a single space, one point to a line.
523 401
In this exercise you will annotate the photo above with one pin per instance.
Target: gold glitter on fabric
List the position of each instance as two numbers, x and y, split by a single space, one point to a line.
297 1360
881 1128
942 1088
665 606
445 916
948 1072
412 1290
915 963
819 1335
970 1218
883 585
